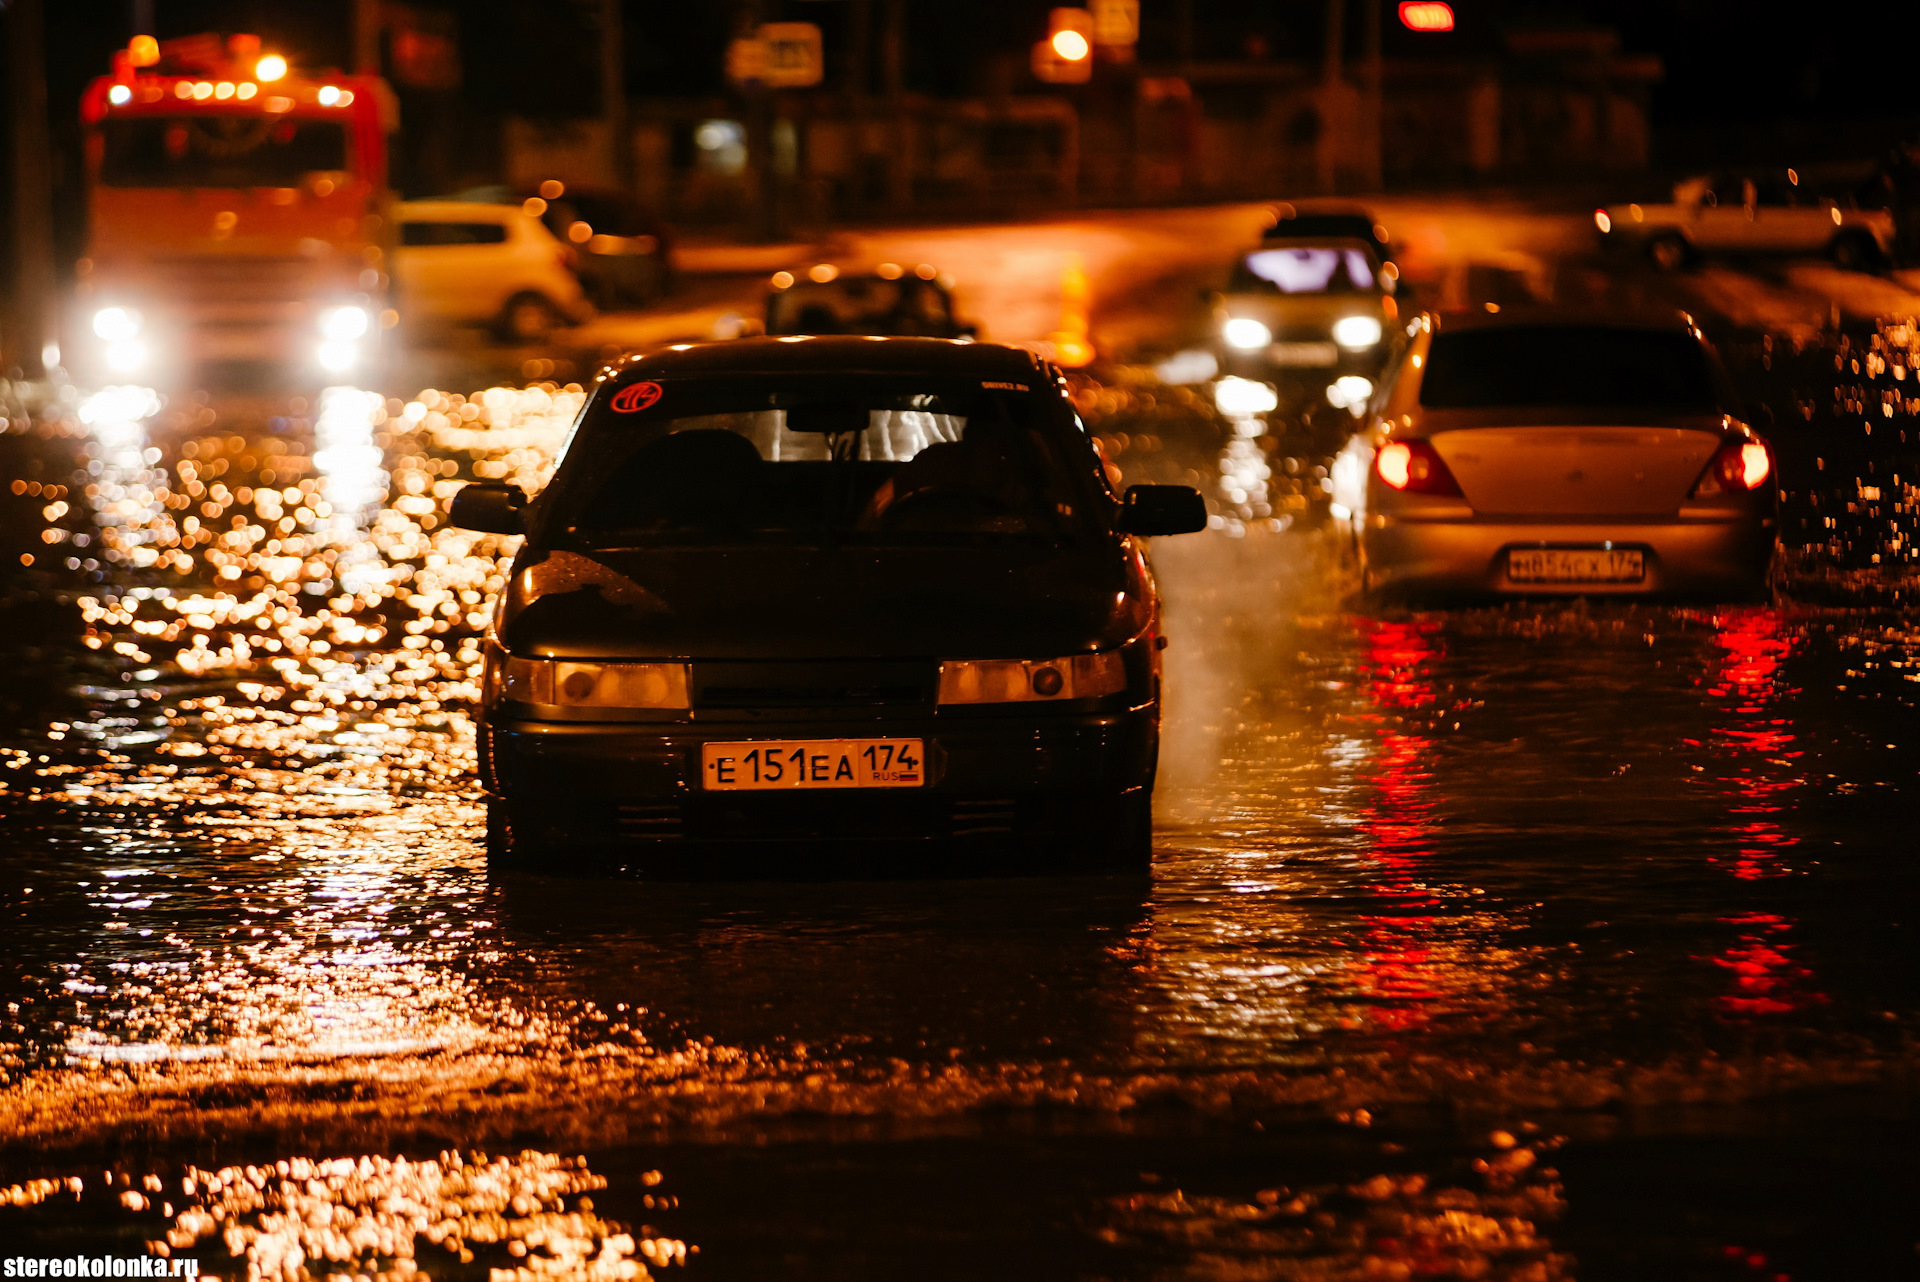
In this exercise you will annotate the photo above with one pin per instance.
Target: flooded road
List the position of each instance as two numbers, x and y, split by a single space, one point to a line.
1529 942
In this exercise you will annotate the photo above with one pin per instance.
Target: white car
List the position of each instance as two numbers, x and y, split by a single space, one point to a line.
1766 212
464 263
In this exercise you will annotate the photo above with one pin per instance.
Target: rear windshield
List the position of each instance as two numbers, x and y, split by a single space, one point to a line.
1305 271
419 233
213 150
1569 365
822 459
860 305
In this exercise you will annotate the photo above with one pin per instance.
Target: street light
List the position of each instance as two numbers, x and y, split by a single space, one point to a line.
1065 57
1071 45
1426 15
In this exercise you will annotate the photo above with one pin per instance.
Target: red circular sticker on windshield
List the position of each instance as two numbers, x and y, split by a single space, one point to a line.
635 397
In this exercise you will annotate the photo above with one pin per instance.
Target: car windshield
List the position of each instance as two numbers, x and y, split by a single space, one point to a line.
214 150
1573 365
819 459
1304 270
860 305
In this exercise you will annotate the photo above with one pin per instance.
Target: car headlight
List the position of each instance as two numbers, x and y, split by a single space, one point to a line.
1356 333
344 324
1081 676
116 324
596 685
1246 333
1238 397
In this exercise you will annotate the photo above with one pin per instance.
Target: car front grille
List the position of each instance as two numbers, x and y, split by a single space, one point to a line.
813 685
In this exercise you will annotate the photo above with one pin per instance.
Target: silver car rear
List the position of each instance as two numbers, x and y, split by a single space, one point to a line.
1564 453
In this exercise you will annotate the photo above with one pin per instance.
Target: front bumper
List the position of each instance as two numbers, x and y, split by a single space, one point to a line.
1020 781
1699 557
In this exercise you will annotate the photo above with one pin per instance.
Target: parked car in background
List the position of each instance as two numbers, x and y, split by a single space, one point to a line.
462 262
624 253
1558 452
889 300
1765 212
1312 308
845 602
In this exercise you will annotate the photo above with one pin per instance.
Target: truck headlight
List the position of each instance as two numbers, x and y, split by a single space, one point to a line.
117 324
1081 676
596 685
337 358
126 356
1356 333
1246 333
344 324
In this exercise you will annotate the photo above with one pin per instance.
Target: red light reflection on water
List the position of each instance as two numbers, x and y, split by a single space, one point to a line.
1767 979
1758 742
1399 967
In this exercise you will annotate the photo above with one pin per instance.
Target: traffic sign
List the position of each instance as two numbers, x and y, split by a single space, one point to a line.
794 58
1115 22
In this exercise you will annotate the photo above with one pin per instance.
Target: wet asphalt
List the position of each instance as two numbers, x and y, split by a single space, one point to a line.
1542 940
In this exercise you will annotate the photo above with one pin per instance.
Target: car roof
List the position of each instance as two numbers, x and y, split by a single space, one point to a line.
1558 316
457 211
836 353
1352 224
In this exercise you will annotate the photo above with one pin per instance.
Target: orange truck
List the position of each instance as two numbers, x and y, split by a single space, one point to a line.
239 215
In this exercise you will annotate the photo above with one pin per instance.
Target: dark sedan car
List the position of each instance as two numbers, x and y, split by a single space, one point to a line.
809 603
888 301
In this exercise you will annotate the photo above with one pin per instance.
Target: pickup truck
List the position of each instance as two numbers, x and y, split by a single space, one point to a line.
1768 212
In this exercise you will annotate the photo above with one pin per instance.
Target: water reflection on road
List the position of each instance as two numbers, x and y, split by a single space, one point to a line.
1442 903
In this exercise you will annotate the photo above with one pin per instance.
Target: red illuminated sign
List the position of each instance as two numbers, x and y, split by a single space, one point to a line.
1426 15
635 397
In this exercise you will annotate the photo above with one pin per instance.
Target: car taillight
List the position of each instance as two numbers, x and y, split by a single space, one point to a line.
1415 467
1739 466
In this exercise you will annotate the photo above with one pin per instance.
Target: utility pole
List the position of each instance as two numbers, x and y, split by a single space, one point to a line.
893 69
31 344
1334 125
367 20
1372 154
613 94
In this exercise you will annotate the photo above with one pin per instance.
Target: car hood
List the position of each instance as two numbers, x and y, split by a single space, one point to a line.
1303 308
823 603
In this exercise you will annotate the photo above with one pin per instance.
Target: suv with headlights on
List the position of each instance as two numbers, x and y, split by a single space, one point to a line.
1312 308
797 604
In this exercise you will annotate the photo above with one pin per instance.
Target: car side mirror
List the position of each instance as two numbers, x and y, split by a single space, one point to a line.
1162 509
491 507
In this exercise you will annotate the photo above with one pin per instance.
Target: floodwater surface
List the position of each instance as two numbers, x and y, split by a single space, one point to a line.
1540 941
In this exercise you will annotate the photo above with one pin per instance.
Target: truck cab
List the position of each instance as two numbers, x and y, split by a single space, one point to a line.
238 215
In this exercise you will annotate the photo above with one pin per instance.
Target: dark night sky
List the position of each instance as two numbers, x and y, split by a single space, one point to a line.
1726 59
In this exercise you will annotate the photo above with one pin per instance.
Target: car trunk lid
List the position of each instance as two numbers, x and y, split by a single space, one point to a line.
1576 470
